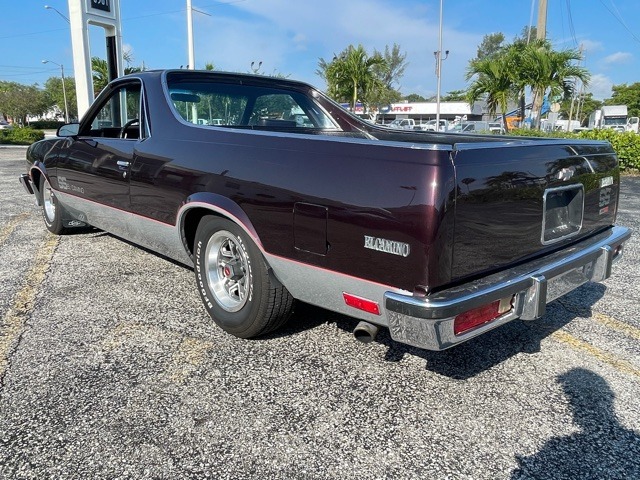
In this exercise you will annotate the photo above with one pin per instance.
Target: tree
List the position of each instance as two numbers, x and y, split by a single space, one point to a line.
549 71
350 76
389 73
100 71
19 101
455 96
392 70
210 66
414 97
583 106
628 95
527 35
491 44
493 81
53 89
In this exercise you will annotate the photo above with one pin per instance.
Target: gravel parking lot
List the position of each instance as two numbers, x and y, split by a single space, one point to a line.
111 368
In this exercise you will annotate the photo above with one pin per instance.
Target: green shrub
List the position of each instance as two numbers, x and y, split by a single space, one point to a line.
46 124
625 144
20 136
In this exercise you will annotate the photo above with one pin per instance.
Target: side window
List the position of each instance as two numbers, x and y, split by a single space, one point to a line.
206 107
283 110
119 115
209 100
278 109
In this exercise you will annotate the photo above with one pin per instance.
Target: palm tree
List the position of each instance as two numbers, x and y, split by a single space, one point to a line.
549 71
352 74
493 81
100 71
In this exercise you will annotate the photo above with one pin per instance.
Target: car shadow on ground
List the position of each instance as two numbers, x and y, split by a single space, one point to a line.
603 448
460 362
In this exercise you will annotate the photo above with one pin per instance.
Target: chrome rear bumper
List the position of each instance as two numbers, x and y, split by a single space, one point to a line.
429 322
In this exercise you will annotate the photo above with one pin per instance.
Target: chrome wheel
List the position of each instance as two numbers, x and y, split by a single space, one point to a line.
49 202
228 271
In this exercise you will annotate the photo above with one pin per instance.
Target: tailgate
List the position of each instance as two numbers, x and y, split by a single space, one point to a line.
523 198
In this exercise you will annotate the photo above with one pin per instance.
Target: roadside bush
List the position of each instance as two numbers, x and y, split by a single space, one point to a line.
625 144
46 124
20 136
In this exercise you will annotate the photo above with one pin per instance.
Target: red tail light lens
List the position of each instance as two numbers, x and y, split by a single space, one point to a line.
361 303
479 316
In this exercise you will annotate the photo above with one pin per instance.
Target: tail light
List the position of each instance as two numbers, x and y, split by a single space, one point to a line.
479 316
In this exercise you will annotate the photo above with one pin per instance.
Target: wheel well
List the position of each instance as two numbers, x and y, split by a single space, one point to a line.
190 222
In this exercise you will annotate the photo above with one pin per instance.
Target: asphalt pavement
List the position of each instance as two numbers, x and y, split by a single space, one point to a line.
111 368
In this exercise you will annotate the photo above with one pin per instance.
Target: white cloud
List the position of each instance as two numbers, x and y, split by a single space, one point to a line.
278 31
590 46
618 57
600 85
128 48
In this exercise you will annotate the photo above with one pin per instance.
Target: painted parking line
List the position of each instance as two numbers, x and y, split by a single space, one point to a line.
187 353
13 322
617 325
605 357
11 225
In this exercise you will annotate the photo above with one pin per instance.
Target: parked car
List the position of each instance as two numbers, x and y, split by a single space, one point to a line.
471 127
439 237
403 124
430 126
4 125
496 127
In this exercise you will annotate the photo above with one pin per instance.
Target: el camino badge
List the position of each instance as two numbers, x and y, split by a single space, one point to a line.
387 246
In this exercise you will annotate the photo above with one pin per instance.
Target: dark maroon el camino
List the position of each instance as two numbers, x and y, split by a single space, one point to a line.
272 192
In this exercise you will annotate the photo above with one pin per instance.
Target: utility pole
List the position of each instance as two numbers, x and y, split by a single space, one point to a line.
573 96
541 33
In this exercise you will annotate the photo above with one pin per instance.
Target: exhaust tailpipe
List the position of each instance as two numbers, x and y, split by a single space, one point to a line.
365 332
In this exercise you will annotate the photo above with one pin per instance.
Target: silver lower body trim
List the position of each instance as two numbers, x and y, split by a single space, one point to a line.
325 288
429 322
157 236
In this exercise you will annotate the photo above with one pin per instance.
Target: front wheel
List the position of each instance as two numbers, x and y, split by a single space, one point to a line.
236 285
52 211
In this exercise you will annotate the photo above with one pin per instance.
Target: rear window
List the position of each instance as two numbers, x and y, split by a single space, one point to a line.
210 101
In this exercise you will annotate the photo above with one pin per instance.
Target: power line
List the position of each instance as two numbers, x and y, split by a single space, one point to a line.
571 26
618 17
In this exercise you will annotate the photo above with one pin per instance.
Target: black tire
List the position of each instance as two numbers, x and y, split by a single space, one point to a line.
235 283
52 211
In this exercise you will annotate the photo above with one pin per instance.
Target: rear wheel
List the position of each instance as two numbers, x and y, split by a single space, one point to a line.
52 211
236 285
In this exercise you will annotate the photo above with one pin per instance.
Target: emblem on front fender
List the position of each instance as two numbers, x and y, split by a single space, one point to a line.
387 246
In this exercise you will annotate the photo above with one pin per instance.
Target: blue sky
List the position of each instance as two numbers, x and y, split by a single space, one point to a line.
288 36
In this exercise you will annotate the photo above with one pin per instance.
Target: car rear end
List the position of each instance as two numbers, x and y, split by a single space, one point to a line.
534 219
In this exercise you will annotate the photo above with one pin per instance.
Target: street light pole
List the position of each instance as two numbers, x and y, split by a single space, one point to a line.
439 60
64 90
192 55
57 11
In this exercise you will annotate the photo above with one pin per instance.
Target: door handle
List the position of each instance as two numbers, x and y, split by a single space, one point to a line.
123 163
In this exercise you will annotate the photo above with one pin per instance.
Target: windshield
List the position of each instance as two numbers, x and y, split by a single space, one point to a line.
615 121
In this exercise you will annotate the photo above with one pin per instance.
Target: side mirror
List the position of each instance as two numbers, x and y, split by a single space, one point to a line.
68 130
